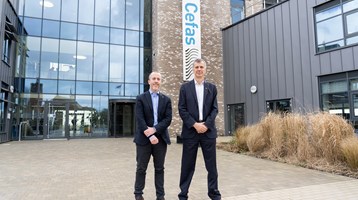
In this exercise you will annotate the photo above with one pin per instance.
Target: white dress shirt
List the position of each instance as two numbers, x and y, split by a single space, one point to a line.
199 88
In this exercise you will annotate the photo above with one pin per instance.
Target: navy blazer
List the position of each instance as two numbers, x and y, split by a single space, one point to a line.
189 110
145 118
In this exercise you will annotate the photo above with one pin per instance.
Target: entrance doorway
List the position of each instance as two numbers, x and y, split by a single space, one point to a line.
122 118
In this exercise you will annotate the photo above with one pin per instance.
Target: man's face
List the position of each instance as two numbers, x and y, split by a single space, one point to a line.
154 82
199 70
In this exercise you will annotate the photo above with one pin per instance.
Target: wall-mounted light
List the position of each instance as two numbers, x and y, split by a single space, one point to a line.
253 89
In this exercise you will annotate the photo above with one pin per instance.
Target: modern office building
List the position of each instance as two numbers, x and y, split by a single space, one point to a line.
73 68
296 56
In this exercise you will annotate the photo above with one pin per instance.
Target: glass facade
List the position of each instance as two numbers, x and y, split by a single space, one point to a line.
82 55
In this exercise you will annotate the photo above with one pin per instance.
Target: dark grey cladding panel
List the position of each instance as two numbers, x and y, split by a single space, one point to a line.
276 52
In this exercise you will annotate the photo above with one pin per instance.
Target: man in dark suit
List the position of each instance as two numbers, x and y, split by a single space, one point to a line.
153 117
198 109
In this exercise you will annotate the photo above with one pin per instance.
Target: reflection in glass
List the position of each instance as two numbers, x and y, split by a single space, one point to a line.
132 17
116 72
131 89
85 32
99 117
67 62
50 29
116 89
84 60
86 11
101 65
33 60
83 87
353 84
49 58
334 86
69 10
117 13
146 66
352 25
237 10
132 38
54 11
100 88
117 36
329 30
32 26
68 30
336 103
132 65
33 8
352 40
102 12
49 86
66 87
329 46
101 34
30 86
351 5
84 101
146 13
355 104
328 13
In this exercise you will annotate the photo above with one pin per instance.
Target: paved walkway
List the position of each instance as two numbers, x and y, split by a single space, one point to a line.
104 169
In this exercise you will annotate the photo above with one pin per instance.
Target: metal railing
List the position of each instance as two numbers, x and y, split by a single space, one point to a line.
20 126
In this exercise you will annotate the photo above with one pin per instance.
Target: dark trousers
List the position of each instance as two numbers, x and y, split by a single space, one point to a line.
190 150
144 153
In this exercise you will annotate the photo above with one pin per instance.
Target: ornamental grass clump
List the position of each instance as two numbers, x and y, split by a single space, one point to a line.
241 135
272 127
349 148
257 140
327 132
296 141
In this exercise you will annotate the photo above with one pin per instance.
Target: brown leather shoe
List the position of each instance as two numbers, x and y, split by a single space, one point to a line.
139 197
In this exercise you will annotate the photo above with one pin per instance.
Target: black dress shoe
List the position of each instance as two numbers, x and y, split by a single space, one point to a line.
139 197
160 198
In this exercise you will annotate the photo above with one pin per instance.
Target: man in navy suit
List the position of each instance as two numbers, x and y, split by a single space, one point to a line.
153 117
198 109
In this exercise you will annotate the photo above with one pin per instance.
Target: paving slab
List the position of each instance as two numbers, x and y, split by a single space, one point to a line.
105 169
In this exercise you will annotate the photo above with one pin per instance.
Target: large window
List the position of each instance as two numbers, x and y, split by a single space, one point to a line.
9 35
336 24
335 98
237 10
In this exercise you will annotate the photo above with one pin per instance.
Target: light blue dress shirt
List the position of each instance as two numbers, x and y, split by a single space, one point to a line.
155 100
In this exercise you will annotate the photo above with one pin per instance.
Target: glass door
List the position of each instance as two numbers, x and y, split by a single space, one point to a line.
56 120
236 114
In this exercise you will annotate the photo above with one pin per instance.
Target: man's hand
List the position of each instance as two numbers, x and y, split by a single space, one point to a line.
153 139
149 131
200 127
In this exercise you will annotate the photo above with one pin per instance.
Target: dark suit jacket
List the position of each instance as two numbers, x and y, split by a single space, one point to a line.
189 110
145 118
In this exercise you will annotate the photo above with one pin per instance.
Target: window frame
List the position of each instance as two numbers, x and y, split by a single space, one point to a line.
326 7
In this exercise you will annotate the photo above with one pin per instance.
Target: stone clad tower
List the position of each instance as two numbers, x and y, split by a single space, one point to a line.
167 50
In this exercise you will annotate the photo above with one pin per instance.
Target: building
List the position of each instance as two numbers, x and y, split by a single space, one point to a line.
73 68
296 56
